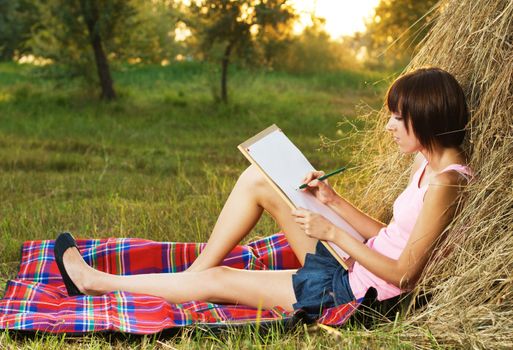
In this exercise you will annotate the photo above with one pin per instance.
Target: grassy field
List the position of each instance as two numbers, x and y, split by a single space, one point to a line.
157 163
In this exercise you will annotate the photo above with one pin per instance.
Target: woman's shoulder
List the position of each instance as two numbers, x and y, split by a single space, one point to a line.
458 173
447 178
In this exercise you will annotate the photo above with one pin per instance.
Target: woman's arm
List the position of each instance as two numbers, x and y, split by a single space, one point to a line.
437 212
366 225
361 222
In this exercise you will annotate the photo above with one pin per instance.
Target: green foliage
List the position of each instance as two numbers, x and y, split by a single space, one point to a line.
272 44
149 35
395 30
16 20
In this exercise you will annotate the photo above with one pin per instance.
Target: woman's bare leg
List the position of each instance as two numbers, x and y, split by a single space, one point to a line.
249 198
218 284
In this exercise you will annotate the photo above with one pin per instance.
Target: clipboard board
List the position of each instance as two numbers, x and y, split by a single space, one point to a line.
284 166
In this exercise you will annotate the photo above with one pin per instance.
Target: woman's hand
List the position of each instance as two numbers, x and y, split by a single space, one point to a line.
314 225
320 189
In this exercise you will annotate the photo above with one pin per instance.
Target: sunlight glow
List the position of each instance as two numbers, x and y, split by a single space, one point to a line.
343 17
35 60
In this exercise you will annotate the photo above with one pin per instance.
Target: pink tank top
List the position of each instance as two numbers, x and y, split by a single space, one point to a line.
391 240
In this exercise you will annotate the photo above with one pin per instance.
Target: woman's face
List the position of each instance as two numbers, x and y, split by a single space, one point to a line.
406 141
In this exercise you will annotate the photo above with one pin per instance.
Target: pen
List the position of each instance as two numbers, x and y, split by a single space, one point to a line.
324 177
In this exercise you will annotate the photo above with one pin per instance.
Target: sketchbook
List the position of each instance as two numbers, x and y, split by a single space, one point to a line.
284 166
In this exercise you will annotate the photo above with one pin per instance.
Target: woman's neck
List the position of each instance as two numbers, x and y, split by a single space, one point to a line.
441 157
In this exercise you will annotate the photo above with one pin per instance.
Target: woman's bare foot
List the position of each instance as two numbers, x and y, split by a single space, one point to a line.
82 275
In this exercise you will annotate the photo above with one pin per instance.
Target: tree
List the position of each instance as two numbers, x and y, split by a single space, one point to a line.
234 26
76 33
394 31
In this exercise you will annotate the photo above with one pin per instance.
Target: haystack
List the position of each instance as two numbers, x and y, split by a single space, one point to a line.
470 276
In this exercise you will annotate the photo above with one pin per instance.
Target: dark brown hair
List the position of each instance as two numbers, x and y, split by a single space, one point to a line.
433 101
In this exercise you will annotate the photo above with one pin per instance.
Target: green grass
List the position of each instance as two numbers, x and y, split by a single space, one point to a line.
157 163
241 338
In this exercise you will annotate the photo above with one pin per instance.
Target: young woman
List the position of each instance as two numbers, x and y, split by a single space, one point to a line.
428 117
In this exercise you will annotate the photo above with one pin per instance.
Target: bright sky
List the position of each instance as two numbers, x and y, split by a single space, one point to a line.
343 17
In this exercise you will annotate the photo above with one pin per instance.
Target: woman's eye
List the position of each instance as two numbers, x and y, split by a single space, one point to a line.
398 118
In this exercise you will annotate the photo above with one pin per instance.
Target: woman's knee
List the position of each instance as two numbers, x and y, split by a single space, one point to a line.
217 279
265 195
252 176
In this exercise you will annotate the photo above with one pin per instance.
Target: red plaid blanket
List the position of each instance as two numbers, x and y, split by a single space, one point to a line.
37 300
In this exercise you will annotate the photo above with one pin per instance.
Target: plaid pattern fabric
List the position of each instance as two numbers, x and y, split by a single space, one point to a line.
37 300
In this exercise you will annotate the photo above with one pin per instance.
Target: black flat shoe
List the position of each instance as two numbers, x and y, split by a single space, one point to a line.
63 242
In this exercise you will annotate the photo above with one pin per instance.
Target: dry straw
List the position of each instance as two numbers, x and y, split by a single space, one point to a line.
470 276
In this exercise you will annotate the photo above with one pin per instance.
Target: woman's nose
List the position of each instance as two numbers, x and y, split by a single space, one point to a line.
390 124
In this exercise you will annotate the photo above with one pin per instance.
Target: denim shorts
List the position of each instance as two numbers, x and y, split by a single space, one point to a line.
321 283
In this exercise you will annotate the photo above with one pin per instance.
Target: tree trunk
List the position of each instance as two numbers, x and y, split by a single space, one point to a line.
90 12
224 72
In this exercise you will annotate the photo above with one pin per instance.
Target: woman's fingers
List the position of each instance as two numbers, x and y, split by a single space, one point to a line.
301 213
303 218
312 175
317 183
313 183
311 179
300 221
